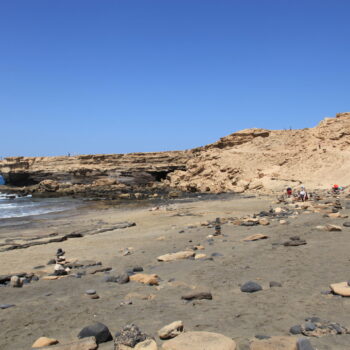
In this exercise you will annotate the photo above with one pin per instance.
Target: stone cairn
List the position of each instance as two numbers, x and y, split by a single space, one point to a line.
60 269
217 227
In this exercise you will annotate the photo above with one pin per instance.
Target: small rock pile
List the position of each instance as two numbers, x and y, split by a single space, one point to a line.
315 327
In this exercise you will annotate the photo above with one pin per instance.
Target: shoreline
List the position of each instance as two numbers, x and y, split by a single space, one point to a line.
304 272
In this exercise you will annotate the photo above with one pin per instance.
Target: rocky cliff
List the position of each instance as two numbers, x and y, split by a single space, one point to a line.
91 173
248 160
265 160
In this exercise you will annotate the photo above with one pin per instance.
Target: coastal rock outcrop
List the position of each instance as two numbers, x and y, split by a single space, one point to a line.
250 160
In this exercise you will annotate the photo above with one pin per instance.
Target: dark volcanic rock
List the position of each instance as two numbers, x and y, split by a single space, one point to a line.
197 296
251 287
249 223
97 330
310 326
297 329
130 335
346 224
261 337
6 306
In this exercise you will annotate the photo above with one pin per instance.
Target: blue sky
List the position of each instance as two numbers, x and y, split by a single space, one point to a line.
114 76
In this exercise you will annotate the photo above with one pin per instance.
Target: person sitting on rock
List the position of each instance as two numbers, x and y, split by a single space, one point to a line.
335 189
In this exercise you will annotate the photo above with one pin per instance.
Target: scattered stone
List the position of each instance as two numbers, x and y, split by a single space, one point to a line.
51 262
112 279
92 271
97 330
176 256
43 341
309 326
275 284
197 295
171 330
126 252
283 222
264 222
260 336
90 292
216 254
315 327
16 282
200 256
137 269
274 343
6 306
123 278
251 287
346 224
297 329
130 336
255 237
332 228
341 288
83 344
200 341
150 279
249 223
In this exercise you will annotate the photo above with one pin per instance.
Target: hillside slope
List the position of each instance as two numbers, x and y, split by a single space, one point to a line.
264 160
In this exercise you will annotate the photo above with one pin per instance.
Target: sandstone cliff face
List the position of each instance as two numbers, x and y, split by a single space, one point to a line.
263 160
116 171
248 160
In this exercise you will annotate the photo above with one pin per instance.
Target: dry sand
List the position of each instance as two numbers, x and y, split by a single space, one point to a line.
59 309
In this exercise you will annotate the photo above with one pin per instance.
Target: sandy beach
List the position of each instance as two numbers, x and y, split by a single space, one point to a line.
60 308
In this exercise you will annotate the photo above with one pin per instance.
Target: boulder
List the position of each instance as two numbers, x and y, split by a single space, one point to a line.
255 237
43 341
176 256
171 330
341 288
97 330
130 336
251 287
144 278
274 343
200 341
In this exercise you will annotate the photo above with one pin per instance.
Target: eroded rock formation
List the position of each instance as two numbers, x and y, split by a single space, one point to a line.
248 160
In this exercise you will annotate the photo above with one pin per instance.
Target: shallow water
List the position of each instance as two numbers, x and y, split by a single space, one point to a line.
12 206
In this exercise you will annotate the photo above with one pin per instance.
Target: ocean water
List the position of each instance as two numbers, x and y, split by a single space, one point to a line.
12 206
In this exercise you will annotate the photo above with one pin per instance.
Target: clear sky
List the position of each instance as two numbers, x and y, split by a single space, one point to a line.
116 76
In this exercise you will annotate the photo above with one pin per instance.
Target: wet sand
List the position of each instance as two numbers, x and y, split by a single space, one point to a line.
59 308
